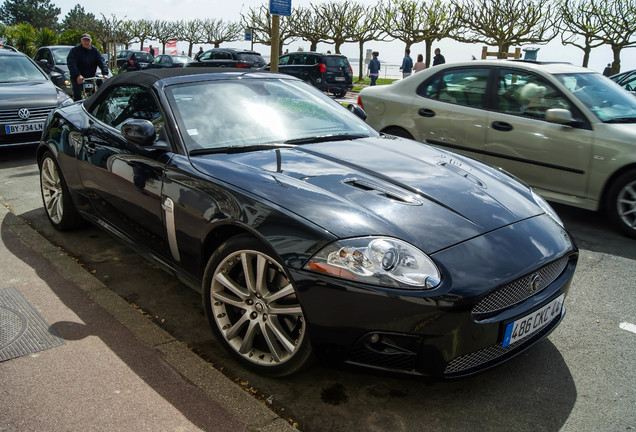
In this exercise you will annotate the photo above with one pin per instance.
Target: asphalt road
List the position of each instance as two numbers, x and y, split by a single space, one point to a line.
582 378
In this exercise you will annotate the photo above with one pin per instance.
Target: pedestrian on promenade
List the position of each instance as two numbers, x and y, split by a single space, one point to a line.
419 64
439 58
608 70
407 64
151 51
374 68
83 61
199 53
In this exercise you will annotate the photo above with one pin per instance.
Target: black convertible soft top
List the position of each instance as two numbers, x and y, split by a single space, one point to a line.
148 77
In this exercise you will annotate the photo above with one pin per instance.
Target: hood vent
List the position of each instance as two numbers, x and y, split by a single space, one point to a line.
383 191
464 174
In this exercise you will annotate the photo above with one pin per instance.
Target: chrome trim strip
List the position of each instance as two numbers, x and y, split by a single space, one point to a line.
168 208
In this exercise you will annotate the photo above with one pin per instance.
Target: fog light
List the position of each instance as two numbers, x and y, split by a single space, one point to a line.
374 338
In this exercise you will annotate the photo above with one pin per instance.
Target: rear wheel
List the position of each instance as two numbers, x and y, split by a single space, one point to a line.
55 195
252 306
398 131
621 204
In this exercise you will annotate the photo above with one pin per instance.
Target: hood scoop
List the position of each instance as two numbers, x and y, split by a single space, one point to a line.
382 191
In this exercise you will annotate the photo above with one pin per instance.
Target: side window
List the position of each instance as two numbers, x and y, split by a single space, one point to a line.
283 60
299 59
128 102
525 94
157 60
311 60
206 56
165 60
459 86
222 55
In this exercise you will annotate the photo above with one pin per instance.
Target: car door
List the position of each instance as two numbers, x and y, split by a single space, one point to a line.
123 181
449 110
552 157
156 63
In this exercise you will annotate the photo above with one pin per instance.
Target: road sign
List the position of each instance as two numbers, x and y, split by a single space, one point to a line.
280 7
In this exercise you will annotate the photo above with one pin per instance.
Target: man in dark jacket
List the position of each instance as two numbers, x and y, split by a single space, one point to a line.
439 58
83 61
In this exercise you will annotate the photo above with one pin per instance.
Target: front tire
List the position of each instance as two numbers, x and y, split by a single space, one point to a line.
621 204
56 198
252 307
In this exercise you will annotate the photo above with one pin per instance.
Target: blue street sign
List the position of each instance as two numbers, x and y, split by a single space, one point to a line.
280 7
248 35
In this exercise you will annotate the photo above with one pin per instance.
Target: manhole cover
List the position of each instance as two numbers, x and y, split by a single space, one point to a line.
22 329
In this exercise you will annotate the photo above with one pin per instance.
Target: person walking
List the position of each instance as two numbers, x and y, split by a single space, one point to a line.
407 64
83 61
608 70
419 64
151 51
439 58
374 68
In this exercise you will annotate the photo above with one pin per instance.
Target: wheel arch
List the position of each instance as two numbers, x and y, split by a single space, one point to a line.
392 129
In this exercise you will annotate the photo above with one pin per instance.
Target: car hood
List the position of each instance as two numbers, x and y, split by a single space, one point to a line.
26 95
380 186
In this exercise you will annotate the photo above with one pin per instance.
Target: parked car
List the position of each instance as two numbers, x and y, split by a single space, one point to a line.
169 61
566 130
52 59
330 73
627 80
307 231
27 96
133 60
231 57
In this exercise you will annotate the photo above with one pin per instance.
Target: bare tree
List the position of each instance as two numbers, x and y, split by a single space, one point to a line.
218 31
579 26
339 18
191 31
367 29
164 31
110 33
618 28
261 21
414 21
308 26
140 30
504 23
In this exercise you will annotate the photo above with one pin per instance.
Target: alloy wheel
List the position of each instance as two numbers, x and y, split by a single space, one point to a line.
626 204
256 309
52 191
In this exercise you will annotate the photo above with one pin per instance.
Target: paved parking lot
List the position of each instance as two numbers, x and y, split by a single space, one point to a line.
583 377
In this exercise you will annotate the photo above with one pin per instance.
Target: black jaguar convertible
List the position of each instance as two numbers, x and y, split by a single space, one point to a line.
306 231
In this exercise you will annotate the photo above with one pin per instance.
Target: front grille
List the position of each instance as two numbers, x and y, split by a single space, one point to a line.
519 290
11 115
495 353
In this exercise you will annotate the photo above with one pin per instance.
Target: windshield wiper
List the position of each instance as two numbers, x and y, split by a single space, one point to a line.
324 138
237 149
628 119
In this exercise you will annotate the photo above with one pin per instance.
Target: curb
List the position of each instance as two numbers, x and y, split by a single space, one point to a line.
244 407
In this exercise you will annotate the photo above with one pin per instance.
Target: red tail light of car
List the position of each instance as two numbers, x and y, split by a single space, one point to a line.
360 102
131 62
323 68
351 69
240 65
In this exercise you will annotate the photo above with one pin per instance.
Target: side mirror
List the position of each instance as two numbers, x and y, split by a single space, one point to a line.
55 74
560 116
139 132
44 64
357 110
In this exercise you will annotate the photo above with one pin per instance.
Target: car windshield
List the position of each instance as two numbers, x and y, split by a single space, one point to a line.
15 69
60 55
216 115
144 56
602 96
249 57
336 61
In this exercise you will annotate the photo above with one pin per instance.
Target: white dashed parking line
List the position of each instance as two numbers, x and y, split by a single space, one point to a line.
627 326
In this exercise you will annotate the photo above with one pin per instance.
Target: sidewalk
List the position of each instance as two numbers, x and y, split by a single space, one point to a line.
106 366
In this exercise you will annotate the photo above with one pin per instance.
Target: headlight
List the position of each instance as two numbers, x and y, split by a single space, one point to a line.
546 208
62 98
377 260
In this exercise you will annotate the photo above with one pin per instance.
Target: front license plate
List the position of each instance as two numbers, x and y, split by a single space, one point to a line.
23 128
340 79
88 85
533 322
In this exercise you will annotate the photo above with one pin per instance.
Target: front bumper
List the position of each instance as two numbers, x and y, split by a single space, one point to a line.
442 332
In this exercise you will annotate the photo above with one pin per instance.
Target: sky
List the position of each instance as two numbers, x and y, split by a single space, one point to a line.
390 52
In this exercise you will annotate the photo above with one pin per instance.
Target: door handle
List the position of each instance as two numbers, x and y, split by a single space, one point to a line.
89 146
425 112
502 126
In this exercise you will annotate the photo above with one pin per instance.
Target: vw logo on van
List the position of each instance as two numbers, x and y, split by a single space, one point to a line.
24 113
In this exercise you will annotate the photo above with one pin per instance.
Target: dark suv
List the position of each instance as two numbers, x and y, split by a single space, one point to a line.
328 72
133 60
230 57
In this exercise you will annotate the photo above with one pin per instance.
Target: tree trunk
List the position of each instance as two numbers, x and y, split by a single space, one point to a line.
616 64
314 46
338 45
190 45
586 55
360 76
217 44
428 43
